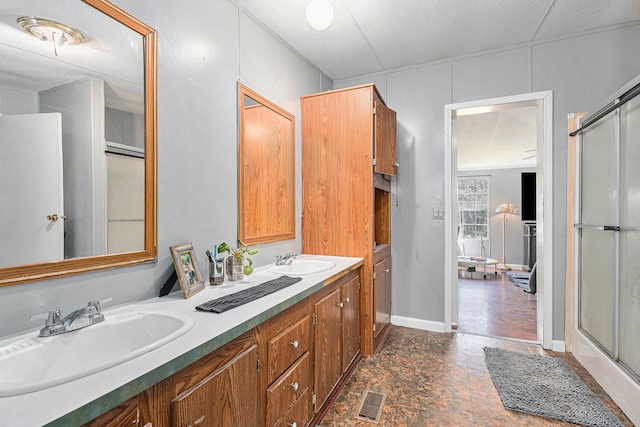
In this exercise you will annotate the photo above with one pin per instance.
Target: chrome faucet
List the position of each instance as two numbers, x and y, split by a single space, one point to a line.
285 259
80 318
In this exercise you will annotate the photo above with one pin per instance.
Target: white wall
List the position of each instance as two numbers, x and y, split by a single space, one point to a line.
582 71
14 101
205 47
77 103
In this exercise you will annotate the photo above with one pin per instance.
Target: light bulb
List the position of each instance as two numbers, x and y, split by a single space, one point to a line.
319 14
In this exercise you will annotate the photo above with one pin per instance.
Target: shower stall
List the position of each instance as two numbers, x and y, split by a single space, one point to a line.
607 230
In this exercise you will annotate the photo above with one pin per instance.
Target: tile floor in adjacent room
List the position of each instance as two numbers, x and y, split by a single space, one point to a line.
435 379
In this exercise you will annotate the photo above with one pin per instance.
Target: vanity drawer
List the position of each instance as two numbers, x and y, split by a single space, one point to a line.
286 347
298 415
287 389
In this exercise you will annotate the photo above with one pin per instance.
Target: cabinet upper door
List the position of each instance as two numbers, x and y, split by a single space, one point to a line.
385 139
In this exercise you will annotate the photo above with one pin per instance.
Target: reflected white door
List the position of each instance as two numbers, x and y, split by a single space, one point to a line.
31 189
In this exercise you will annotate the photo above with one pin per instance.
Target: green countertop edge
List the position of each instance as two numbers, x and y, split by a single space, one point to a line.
112 399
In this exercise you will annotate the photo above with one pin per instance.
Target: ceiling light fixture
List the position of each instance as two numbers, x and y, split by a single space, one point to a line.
47 30
319 14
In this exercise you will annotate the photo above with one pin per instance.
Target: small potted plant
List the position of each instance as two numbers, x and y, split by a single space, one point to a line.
238 264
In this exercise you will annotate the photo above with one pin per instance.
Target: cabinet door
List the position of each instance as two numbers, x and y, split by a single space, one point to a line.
385 139
123 415
328 343
382 294
350 321
227 397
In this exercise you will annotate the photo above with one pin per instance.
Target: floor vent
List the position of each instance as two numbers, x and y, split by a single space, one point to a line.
370 408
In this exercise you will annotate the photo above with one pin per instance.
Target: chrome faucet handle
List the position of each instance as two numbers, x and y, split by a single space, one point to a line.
93 306
92 311
54 318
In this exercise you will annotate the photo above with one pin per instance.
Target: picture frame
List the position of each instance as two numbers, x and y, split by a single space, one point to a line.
186 265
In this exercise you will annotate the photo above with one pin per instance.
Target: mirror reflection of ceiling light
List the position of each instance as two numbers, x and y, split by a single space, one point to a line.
319 14
47 30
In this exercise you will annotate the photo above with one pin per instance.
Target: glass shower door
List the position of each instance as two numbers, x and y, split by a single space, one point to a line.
598 244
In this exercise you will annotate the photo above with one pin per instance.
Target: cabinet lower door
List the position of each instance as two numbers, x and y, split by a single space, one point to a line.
226 398
382 294
350 321
328 343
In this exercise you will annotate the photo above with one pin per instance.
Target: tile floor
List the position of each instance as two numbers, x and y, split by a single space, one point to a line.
434 379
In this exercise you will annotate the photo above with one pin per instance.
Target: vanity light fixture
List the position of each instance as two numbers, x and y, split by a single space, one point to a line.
319 14
47 30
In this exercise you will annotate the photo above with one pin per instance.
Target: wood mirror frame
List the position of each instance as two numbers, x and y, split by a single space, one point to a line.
266 170
27 273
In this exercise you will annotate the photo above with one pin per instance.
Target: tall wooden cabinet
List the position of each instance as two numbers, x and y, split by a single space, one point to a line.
348 157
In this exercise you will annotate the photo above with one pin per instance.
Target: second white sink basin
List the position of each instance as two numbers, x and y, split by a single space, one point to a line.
35 363
300 267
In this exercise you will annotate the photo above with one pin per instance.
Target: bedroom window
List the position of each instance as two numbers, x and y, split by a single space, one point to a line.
473 207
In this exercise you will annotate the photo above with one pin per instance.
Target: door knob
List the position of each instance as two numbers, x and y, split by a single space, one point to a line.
294 344
294 386
346 300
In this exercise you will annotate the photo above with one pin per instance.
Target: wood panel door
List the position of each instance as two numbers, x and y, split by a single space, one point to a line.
328 343
350 321
382 294
226 398
385 139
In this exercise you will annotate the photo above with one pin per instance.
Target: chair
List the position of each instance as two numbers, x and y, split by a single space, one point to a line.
472 262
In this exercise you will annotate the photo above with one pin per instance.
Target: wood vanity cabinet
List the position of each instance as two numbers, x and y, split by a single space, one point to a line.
285 366
218 390
337 334
278 374
348 158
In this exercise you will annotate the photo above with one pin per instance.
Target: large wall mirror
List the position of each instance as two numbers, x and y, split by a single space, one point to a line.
266 170
77 139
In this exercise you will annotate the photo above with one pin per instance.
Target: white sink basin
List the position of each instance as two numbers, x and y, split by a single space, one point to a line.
36 363
300 267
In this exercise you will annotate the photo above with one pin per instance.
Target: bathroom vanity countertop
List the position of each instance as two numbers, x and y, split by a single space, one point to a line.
81 400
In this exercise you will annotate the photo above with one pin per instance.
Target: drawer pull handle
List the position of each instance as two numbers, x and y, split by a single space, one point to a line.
293 424
294 344
346 300
340 305
294 386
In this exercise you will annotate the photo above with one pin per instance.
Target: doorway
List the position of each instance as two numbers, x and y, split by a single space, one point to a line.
541 149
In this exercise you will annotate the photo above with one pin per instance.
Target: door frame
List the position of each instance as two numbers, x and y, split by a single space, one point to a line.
544 210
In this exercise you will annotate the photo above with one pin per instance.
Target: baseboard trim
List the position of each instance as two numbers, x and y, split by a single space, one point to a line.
410 322
558 346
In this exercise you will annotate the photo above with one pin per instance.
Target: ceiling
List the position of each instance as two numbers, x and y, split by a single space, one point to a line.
371 36
497 137
110 51
374 36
